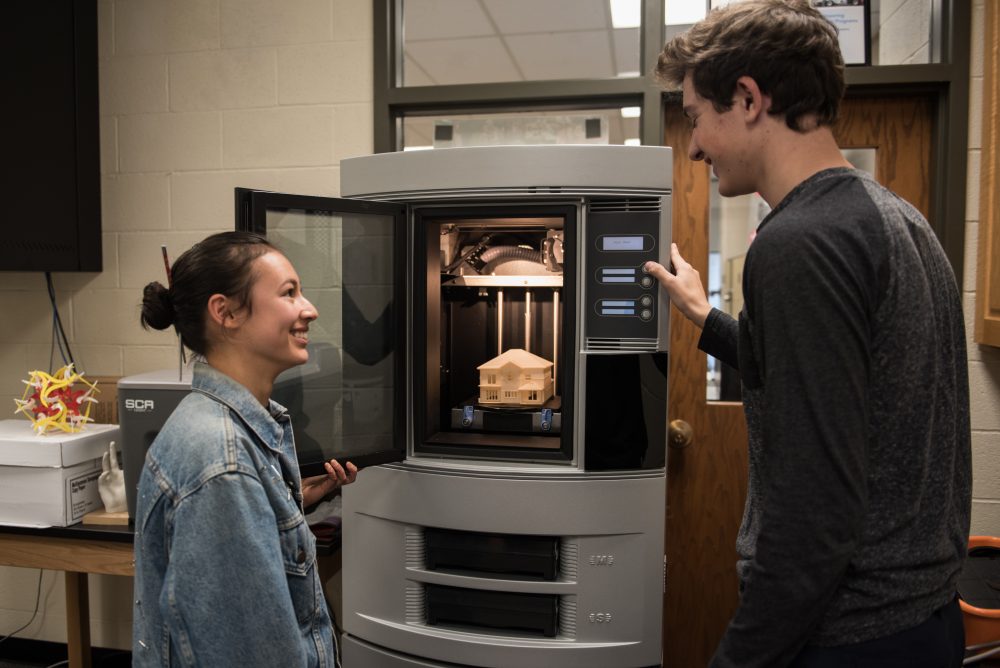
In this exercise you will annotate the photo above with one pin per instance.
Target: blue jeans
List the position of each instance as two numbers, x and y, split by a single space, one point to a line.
937 643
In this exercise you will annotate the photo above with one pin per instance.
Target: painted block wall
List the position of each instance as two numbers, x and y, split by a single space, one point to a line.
984 361
196 97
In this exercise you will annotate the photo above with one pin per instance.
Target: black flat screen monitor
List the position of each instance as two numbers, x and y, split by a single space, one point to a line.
50 180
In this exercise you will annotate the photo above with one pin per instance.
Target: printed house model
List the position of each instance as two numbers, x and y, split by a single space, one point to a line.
515 378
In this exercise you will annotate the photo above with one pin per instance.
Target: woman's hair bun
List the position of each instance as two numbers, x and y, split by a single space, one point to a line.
157 307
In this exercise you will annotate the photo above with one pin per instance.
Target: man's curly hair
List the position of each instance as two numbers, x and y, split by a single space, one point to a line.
786 46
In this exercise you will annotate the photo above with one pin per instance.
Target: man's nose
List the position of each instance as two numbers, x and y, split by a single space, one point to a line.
694 152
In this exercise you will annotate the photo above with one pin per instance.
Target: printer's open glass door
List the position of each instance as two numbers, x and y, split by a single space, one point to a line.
347 402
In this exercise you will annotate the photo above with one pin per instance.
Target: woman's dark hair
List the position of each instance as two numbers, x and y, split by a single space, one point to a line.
220 264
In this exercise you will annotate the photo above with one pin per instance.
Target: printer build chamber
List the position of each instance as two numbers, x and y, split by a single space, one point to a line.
490 312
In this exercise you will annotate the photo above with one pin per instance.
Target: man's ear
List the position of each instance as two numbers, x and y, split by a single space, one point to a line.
749 99
220 311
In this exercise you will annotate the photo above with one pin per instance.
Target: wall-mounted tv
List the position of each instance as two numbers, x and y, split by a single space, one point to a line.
50 183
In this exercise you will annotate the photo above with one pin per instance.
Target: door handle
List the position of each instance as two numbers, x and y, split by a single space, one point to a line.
679 434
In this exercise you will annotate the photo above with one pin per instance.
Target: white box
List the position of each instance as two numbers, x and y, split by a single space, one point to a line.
50 480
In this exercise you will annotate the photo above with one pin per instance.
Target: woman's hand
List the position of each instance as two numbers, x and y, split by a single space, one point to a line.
316 487
683 286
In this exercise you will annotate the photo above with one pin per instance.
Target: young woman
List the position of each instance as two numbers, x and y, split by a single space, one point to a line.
225 565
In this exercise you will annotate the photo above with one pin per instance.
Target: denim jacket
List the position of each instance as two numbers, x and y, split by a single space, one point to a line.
225 564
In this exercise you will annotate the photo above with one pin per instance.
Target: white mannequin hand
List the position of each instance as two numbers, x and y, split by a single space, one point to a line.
111 483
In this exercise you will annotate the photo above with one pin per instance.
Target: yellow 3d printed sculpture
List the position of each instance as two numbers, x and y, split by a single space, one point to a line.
51 403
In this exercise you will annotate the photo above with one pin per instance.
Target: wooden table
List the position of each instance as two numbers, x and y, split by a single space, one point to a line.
77 551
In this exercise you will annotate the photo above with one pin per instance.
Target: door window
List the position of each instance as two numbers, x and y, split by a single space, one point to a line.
344 401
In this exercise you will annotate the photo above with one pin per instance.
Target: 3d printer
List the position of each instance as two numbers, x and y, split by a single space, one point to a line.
489 337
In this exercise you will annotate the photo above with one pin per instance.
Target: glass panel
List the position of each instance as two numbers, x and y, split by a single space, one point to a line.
902 32
341 400
684 12
679 15
732 226
850 17
616 125
905 32
461 42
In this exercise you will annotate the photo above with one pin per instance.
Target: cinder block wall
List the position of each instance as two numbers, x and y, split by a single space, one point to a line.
984 361
197 97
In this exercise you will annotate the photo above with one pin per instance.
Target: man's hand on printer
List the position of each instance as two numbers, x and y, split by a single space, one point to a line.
316 487
683 285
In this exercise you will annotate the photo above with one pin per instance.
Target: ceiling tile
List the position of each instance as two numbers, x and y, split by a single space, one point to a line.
529 16
626 45
414 74
462 61
436 19
577 55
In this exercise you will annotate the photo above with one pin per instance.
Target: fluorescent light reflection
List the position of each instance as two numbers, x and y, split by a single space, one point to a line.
633 141
417 148
631 112
684 12
626 13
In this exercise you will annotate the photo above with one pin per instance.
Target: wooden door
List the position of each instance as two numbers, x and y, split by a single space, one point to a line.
706 481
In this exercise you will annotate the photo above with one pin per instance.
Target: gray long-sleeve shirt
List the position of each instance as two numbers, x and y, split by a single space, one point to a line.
851 352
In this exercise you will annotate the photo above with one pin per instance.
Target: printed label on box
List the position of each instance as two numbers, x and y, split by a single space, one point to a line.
82 490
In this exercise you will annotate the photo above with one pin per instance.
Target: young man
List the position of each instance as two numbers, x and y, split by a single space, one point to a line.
851 353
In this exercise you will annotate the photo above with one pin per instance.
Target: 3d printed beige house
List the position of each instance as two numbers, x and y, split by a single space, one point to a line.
515 378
